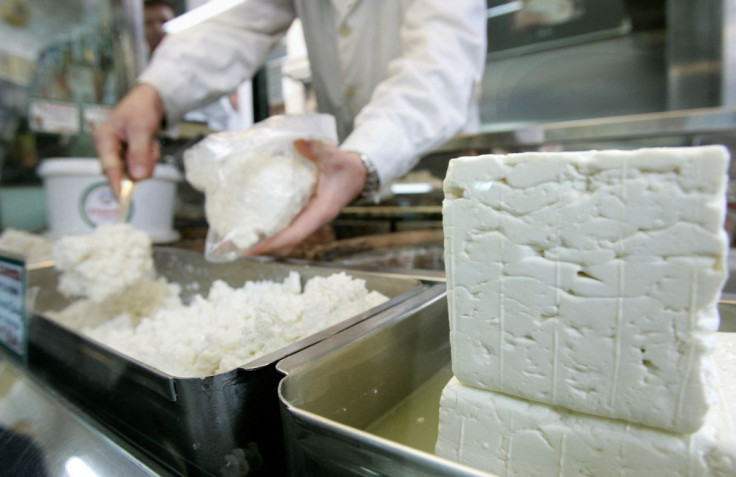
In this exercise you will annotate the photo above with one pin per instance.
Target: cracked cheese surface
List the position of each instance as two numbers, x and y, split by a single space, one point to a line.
589 280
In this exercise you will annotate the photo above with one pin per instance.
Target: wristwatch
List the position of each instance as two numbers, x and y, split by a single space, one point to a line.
372 181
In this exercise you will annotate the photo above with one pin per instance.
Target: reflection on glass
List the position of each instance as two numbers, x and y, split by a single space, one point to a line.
547 12
76 467
51 438
528 25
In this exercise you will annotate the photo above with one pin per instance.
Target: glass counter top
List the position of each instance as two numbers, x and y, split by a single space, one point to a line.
43 435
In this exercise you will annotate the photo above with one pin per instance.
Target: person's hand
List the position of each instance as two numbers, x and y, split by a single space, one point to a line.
125 142
341 177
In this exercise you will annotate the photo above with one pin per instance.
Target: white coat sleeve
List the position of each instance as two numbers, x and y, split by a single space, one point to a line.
196 66
430 89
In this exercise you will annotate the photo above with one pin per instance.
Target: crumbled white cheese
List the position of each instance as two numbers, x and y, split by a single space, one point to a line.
515 437
103 263
589 280
233 326
253 195
34 248
142 299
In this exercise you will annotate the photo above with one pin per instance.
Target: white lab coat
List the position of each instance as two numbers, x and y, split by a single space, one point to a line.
400 76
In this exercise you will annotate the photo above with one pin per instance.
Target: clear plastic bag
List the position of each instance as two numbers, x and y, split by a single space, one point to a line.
255 182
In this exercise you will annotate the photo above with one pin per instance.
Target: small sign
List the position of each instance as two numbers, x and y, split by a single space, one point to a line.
54 117
13 318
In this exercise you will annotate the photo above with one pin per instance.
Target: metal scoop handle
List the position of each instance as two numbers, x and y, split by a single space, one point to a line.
126 193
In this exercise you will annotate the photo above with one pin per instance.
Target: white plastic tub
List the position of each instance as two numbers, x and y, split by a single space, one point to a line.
79 199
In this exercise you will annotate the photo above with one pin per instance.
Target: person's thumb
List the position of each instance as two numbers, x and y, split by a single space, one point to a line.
309 148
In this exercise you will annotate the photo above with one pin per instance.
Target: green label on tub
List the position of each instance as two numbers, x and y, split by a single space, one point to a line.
13 318
97 205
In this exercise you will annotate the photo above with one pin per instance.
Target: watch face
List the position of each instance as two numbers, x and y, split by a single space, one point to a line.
372 182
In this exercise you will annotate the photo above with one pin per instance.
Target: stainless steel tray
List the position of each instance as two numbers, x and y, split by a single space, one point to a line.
389 369
336 390
223 423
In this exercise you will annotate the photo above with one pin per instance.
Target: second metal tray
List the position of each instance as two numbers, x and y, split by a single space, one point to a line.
366 401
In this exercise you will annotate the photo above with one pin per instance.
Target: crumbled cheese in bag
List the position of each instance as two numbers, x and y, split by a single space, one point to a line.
255 195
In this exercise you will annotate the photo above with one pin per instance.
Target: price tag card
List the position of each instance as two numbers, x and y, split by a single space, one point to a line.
13 318
54 117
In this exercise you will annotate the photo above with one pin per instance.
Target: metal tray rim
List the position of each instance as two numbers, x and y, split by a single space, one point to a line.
372 324
422 282
293 365
398 449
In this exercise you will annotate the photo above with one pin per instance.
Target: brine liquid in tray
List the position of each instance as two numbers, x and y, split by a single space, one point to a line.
414 421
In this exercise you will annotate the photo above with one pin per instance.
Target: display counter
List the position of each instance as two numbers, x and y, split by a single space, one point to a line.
210 422
42 434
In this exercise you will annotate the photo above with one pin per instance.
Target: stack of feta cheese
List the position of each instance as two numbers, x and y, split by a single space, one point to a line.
582 295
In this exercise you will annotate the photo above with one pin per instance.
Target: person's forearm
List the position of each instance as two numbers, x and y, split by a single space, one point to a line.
204 62
428 94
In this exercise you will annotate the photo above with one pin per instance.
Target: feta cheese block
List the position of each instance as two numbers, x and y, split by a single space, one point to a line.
515 437
589 280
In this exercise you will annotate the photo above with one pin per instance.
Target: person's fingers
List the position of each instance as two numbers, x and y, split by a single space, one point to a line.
155 152
142 153
306 148
324 206
278 252
309 219
305 224
114 178
316 151
339 181
126 140
108 148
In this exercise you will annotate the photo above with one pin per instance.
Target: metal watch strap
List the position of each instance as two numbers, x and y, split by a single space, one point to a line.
372 181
